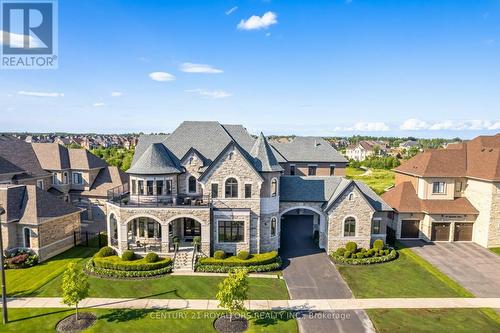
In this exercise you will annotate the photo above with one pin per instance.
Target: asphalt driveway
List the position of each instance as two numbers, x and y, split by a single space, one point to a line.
472 266
310 274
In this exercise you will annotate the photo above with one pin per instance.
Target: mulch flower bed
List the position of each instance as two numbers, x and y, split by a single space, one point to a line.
71 325
237 324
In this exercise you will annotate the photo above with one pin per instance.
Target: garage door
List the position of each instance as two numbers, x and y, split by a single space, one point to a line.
440 232
409 228
463 232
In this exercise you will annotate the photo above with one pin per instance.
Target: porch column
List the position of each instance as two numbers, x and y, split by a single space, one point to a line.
108 228
122 237
205 238
164 238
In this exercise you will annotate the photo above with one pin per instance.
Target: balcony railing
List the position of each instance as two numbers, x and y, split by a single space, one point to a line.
121 196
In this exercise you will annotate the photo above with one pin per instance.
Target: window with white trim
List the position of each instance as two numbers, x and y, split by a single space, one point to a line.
438 187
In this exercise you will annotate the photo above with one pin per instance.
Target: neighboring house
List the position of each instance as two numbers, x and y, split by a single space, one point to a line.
409 144
364 149
37 220
229 188
450 194
80 177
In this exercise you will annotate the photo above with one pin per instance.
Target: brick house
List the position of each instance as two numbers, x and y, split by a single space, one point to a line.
233 190
450 194
364 149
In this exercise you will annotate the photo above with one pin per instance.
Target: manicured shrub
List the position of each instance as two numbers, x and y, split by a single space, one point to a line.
378 244
351 246
360 255
219 254
105 251
354 259
234 261
347 254
366 254
226 269
94 268
341 251
243 255
371 252
151 257
353 255
386 252
118 264
128 255
21 258
362 250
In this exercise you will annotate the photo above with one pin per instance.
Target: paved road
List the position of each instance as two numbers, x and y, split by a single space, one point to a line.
472 266
310 274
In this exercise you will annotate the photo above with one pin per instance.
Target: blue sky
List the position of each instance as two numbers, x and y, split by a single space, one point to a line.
423 68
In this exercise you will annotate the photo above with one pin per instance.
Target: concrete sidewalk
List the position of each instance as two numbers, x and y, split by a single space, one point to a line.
293 305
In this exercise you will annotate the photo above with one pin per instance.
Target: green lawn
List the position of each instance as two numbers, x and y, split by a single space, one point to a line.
44 280
495 250
379 179
23 282
435 320
407 276
137 321
189 287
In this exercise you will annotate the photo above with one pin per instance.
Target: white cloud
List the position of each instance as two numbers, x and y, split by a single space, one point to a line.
365 127
450 125
40 94
214 94
161 76
116 93
17 40
232 10
258 22
98 104
414 124
188 67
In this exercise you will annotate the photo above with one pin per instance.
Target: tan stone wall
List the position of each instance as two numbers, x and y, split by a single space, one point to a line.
193 165
494 227
269 243
343 208
480 194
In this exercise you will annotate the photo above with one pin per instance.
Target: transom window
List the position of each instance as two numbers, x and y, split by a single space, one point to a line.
439 187
231 188
231 231
274 187
192 184
274 225
350 227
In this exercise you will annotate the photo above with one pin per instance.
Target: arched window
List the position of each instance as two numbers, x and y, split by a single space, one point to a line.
65 177
274 187
27 237
231 188
350 227
192 184
274 226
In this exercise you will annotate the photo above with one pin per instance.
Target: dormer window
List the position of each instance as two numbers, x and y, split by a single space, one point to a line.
438 187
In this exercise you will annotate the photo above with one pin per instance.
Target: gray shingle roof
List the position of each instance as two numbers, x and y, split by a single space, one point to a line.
308 149
144 142
311 188
157 159
20 154
29 204
263 156
82 159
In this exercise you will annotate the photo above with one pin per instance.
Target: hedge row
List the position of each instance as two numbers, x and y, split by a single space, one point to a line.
364 261
226 269
105 272
118 264
234 261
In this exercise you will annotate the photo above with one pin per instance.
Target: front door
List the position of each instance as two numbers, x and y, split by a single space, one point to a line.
191 229
440 232
409 228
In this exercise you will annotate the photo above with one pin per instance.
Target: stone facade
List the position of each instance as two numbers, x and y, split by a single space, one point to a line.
355 206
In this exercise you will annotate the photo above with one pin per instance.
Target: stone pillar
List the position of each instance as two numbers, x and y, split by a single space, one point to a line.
122 238
164 238
205 238
108 229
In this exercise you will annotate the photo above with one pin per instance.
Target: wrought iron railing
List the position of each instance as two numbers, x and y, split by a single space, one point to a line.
123 199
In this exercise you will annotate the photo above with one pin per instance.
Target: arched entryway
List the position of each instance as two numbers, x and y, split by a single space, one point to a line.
185 229
300 231
144 235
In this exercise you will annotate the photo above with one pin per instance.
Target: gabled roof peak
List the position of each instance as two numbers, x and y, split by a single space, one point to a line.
264 159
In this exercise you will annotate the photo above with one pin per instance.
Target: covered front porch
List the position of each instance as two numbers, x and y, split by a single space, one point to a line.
146 234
